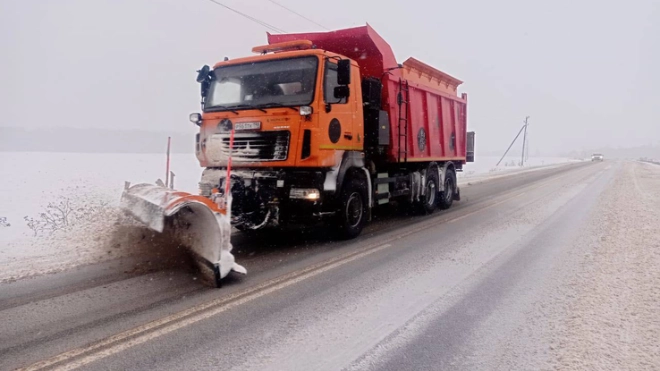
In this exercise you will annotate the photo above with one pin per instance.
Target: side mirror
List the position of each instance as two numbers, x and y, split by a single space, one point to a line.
341 92
204 88
344 72
195 118
203 78
203 74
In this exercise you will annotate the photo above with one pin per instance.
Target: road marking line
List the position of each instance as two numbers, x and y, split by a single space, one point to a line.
168 324
185 318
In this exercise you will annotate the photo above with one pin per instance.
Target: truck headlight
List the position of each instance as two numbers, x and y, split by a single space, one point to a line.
305 110
311 194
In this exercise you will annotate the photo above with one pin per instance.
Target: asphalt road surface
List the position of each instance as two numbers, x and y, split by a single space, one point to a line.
480 286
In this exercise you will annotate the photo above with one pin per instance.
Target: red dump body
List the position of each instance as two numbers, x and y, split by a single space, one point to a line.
432 125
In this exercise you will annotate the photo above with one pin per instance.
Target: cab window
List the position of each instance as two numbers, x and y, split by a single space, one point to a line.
329 84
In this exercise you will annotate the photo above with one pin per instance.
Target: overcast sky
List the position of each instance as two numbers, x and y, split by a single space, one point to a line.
587 72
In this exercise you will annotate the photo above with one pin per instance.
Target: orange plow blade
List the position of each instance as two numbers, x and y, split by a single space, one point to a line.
199 223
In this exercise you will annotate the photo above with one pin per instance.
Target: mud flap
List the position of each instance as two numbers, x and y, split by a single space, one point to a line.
197 222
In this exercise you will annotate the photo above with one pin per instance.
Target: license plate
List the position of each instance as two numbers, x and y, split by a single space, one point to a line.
247 126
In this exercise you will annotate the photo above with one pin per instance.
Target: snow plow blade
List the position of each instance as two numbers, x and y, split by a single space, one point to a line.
197 222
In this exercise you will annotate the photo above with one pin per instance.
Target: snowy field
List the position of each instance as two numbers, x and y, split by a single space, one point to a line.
31 180
90 185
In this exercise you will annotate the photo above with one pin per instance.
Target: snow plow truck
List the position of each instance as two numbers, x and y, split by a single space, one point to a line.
314 128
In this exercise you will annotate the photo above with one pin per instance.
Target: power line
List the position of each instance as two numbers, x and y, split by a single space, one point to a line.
299 15
262 23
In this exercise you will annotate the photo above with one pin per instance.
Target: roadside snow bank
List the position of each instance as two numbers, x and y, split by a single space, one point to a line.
486 167
44 187
611 319
108 235
488 164
32 180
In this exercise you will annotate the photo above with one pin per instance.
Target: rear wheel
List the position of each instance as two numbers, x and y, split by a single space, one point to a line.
352 213
428 203
447 196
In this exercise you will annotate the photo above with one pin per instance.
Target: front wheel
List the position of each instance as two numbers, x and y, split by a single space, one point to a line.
352 212
447 196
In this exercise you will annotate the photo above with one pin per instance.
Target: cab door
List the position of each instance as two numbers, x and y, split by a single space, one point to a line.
340 119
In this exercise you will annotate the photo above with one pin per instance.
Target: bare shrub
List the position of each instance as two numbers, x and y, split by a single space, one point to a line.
62 214
4 222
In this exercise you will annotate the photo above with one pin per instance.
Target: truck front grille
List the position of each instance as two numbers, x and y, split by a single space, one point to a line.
259 146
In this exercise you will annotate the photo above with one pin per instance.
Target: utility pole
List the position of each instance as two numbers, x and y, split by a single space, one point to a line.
527 147
522 159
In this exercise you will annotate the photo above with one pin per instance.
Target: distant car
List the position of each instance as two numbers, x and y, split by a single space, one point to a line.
596 157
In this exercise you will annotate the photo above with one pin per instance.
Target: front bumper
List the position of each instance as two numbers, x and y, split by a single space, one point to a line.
264 198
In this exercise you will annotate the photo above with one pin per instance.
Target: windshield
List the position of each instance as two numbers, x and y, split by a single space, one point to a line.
282 82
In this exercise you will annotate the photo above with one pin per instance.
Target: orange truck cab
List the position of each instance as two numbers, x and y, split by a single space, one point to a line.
327 126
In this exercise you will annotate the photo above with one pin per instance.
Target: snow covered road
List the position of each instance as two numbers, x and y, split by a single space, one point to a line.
556 268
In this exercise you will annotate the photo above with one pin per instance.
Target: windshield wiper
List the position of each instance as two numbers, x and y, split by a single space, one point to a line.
220 108
271 105
248 106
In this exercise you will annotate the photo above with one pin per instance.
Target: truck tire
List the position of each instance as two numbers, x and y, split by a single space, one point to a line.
352 213
446 197
429 202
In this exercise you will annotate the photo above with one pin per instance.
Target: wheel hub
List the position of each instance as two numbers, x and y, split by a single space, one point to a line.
430 193
354 209
449 189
